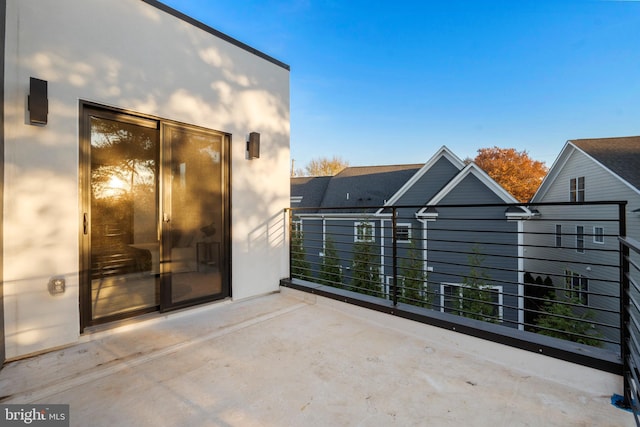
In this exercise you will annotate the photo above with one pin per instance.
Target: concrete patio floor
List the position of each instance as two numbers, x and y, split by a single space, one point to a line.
293 359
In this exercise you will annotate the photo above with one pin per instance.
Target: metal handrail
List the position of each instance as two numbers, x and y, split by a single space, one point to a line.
381 286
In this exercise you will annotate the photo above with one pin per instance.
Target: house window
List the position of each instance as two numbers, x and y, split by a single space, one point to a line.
580 239
403 233
364 232
558 236
577 287
452 300
598 235
576 189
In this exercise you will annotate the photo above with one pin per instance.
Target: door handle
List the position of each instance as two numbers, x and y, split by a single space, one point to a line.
85 224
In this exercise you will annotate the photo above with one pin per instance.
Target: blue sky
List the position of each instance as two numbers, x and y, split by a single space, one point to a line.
390 82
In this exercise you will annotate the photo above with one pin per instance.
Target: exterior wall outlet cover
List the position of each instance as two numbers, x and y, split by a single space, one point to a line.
57 285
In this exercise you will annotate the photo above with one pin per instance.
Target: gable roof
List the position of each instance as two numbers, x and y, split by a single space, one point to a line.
619 156
472 169
375 186
475 170
442 152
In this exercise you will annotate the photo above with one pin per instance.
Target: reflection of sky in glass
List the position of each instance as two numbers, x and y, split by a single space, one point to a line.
215 155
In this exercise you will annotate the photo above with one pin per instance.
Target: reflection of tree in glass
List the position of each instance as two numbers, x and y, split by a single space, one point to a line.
123 185
123 159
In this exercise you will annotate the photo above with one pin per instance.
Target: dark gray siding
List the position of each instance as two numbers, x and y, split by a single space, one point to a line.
313 242
342 231
471 191
416 242
429 184
458 239
461 237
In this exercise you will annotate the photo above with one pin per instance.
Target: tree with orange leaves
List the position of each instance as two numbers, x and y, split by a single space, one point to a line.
514 170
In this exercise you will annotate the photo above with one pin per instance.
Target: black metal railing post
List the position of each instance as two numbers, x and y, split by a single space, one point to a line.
394 239
624 303
290 232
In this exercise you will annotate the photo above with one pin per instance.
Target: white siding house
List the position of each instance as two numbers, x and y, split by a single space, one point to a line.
134 83
587 170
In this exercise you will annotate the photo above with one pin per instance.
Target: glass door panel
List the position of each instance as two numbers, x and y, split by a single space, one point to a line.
194 226
155 215
124 248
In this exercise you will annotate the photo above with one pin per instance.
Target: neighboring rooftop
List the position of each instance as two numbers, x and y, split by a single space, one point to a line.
358 186
620 155
299 360
308 191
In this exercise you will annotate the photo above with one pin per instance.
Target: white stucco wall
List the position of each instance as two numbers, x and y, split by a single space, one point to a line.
134 56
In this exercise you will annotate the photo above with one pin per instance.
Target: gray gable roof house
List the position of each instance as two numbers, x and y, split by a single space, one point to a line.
620 155
336 208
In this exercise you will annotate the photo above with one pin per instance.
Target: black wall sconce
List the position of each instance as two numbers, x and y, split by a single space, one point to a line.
253 146
37 103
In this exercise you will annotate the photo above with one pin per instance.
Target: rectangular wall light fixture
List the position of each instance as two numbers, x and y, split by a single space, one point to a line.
38 104
253 146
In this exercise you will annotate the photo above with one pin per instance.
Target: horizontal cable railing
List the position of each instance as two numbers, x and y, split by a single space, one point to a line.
630 309
547 269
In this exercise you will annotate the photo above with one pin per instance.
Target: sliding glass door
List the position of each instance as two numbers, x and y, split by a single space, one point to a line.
154 215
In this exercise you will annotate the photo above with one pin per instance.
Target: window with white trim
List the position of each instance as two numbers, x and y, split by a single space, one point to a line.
576 189
598 235
577 287
403 232
364 231
452 298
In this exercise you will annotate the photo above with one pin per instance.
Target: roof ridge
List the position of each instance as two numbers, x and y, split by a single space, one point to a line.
385 166
605 138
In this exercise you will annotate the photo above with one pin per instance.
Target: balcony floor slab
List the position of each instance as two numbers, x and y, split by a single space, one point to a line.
298 360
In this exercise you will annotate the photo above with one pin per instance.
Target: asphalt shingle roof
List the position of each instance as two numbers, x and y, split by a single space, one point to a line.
621 155
310 188
358 186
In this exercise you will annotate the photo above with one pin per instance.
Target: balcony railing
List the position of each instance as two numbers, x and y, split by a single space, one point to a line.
559 279
630 319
